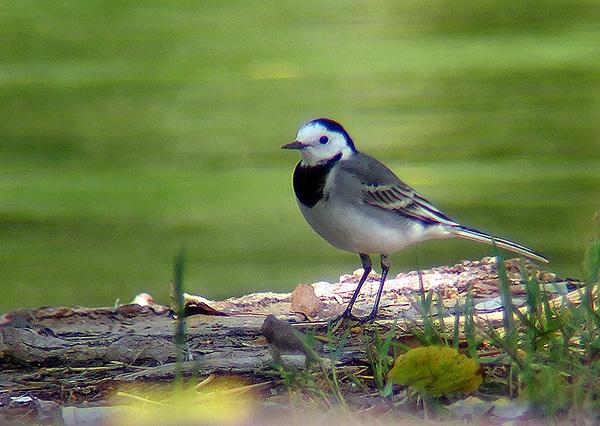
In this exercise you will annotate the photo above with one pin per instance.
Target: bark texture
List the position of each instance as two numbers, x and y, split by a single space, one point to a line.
83 354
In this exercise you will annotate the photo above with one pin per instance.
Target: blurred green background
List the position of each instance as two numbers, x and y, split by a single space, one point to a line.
131 128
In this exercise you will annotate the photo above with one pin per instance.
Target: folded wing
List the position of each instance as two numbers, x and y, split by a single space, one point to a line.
380 187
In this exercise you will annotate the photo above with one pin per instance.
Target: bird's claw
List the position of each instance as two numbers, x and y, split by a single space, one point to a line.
348 316
340 319
369 318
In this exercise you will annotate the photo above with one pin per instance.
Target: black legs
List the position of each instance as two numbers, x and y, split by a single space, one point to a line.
367 266
385 267
366 263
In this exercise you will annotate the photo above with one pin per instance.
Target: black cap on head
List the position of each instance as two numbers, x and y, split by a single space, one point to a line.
334 126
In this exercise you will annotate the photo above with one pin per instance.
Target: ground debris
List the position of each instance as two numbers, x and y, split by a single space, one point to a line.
79 355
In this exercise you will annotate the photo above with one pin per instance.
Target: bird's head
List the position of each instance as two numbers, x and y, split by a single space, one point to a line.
322 139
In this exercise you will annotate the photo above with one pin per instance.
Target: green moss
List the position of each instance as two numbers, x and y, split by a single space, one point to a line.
436 371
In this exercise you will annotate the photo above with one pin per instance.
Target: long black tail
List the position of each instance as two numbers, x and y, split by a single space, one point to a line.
482 237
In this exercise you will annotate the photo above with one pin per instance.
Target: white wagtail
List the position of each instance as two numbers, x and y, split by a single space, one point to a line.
359 205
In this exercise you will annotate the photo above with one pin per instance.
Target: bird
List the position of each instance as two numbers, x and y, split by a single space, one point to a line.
359 205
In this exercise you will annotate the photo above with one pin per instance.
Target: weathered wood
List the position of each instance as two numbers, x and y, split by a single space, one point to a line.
75 354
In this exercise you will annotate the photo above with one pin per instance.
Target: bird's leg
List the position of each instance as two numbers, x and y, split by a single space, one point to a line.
367 267
385 267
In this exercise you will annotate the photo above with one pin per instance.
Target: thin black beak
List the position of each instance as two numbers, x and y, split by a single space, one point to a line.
294 145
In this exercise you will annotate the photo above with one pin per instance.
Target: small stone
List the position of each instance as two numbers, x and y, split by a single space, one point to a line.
489 305
282 336
519 301
470 408
305 300
510 409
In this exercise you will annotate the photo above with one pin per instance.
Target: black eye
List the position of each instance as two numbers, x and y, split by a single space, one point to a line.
323 139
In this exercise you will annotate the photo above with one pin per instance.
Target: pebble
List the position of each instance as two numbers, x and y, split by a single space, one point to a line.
306 301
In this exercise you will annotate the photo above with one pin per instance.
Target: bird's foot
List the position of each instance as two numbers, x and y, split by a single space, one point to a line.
369 318
340 319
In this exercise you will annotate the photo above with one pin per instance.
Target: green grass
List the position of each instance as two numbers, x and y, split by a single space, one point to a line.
545 356
129 129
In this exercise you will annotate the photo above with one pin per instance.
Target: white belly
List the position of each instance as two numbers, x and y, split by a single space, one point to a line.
366 229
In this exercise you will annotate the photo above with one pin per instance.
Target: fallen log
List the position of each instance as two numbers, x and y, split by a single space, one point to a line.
83 354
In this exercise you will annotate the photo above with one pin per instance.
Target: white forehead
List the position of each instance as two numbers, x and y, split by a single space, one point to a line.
312 131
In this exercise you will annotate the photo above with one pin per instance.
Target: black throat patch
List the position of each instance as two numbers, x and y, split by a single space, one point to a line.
309 181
